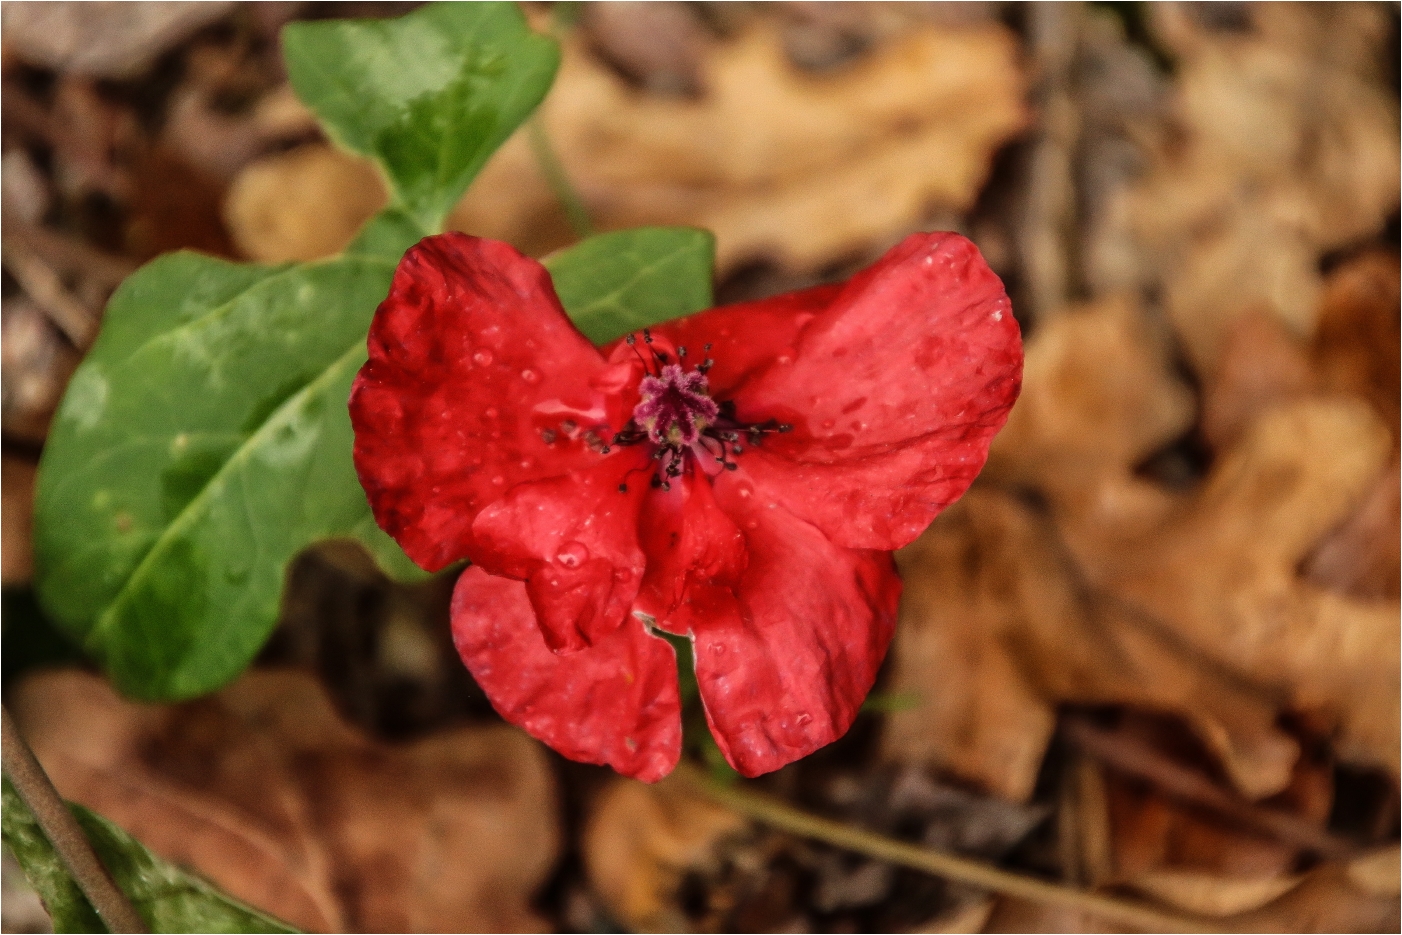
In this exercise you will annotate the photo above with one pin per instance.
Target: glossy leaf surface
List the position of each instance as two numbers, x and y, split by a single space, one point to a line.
202 444
429 95
618 282
166 897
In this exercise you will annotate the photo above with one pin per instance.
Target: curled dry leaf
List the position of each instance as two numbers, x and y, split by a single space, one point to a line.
1281 148
997 629
802 168
1098 396
265 791
640 841
1222 574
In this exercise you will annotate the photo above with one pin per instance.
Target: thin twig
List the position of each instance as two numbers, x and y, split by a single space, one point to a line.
1135 758
554 172
785 817
46 288
63 832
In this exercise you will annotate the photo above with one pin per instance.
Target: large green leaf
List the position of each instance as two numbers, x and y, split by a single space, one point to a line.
429 95
201 445
166 897
619 282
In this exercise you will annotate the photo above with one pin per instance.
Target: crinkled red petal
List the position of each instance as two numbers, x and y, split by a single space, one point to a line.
687 539
784 660
746 337
471 358
895 391
615 703
574 541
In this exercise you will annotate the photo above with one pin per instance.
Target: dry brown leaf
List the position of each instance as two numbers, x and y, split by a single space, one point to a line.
1281 149
265 791
1357 347
1098 396
1213 894
1222 574
996 630
641 840
805 169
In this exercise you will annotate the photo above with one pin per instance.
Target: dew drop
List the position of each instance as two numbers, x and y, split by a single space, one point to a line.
745 490
498 480
491 412
530 376
828 423
752 524
784 359
482 358
527 464
804 718
572 554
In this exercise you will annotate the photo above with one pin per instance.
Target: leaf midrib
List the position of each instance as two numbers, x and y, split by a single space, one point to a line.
187 514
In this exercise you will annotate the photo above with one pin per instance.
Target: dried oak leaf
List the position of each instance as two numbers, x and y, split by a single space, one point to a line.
1354 352
265 791
802 168
1222 572
1280 149
1099 395
997 629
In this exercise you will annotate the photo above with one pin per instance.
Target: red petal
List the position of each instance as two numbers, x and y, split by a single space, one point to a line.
783 666
895 392
471 358
687 539
574 540
745 337
615 703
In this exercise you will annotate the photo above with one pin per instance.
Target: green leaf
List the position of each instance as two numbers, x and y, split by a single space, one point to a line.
429 95
202 444
166 897
619 282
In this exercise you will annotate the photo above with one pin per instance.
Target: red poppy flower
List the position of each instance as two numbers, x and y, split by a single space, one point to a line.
739 477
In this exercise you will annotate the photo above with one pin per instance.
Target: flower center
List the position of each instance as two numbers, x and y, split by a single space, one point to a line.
678 417
676 406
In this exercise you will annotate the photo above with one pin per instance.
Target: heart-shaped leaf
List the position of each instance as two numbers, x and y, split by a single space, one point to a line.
429 95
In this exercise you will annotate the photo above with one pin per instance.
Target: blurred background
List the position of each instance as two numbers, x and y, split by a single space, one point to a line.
1153 652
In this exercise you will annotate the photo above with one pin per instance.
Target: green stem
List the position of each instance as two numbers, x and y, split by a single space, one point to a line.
770 811
63 832
554 172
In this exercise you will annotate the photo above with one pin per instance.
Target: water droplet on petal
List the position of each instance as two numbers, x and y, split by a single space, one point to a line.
572 554
745 490
482 358
498 480
828 423
752 524
530 376
804 718
491 412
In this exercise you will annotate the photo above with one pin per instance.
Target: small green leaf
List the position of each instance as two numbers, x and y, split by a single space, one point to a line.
202 444
166 897
429 95
619 282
